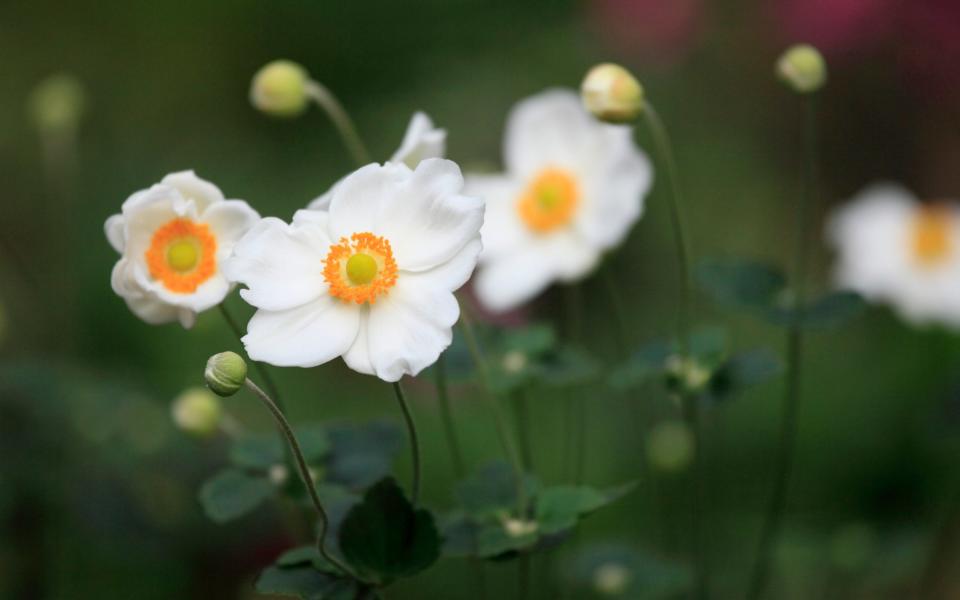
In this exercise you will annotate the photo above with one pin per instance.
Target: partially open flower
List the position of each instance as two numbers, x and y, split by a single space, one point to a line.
172 239
226 373
572 189
198 412
421 141
612 94
371 280
893 249
802 68
279 89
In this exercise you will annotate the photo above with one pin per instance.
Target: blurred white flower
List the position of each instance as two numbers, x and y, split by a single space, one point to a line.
573 188
421 141
173 238
893 249
371 280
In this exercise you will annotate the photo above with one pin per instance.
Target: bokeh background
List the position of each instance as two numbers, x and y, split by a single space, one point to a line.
98 488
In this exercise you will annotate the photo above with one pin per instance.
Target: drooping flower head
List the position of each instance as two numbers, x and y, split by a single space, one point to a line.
173 239
896 250
572 189
372 280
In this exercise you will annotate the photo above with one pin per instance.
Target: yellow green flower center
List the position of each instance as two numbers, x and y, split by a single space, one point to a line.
183 255
361 269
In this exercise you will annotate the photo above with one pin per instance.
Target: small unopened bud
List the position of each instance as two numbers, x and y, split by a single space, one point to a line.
514 361
670 446
57 103
610 93
278 474
197 411
225 373
802 68
279 89
518 527
611 579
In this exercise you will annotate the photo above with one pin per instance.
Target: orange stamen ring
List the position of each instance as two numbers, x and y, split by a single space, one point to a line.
182 255
345 288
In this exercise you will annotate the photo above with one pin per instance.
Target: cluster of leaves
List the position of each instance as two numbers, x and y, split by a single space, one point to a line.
487 525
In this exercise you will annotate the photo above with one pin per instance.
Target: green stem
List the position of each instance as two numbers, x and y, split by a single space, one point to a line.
521 413
262 371
325 99
788 425
500 422
617 310
414 440
305 475
523 576
446 416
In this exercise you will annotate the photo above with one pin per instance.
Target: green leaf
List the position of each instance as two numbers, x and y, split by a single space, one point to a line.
740 283
257 451
493 541
830 310
305 582
644 364
560 507
491 490
384 537
233 493
460 534
531 340
362 454
744 370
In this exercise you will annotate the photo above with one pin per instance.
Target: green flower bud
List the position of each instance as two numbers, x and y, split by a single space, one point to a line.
802 68
279 89
57 103
197 412
611 94
670 446
225 373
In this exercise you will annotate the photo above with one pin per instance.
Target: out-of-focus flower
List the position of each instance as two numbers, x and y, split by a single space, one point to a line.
612 94
802 68
225 373
57 104
611 579
893 249
279 89
173 238
421 141
670 446
573 188
650 30
371 280
197 411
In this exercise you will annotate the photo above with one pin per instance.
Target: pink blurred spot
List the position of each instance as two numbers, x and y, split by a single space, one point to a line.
658 31
837 27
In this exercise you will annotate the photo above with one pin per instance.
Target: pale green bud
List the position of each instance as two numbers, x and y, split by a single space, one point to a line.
802 68
225 373
670 446
519 527
611 94
514 361
611 579
687 375
197 411
57 103
279 89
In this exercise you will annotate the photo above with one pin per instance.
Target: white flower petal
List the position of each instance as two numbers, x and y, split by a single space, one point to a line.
229 220
322 202
305 336
146 211
358 356
503 231
187 318
421 141
114 230
202 192
281 265
152 310
122 281
358 200
207 295
550 129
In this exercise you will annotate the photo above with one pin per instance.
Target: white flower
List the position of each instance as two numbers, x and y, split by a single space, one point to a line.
573 188
173 238
371 280
896 250
421 141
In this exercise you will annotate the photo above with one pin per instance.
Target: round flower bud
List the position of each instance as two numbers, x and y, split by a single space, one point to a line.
611 579
670 446
225 373
612 94
197 411
57 103
279 89
802 68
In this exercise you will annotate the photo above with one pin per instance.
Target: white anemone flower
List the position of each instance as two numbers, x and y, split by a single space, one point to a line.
572 189
421 141
893 249
173 239
372 280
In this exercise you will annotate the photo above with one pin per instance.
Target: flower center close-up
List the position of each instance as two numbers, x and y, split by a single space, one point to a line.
182 255
360 269
932 235
550 200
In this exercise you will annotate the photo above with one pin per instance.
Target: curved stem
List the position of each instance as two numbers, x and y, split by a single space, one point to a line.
503 431
619 314
325 99
521 411
788 425
446 415
305 475
414 440
262 371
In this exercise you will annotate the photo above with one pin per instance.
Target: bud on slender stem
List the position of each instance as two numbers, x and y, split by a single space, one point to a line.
612 94
198 412
226 373
279 89
802 68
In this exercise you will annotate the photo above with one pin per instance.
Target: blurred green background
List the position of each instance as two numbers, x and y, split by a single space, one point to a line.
98 488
